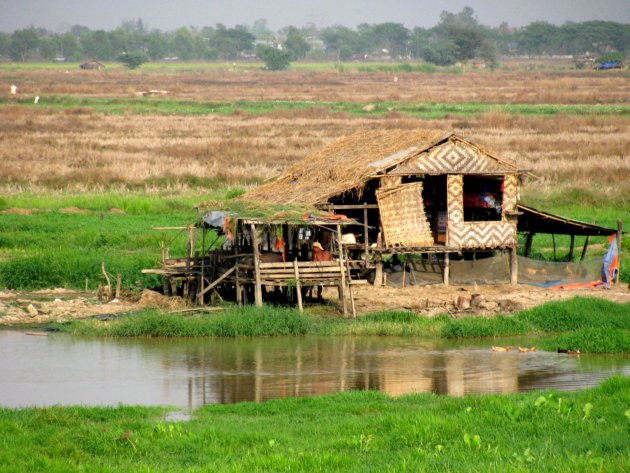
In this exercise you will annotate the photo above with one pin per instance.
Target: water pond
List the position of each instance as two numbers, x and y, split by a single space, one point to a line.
60 369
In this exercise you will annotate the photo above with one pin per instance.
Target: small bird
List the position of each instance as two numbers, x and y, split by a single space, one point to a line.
526 349
501 348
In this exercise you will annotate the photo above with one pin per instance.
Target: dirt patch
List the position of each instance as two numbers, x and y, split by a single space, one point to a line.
59 305
482 300
14 211
74 210
55 305
115 210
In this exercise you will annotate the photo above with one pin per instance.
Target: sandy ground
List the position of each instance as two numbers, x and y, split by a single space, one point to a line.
58 305
482 299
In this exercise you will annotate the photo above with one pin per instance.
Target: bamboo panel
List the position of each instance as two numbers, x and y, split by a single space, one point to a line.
481 235
452 157
402 215
510 193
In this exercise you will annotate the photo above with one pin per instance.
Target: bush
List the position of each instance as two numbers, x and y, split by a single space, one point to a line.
133 60
276 59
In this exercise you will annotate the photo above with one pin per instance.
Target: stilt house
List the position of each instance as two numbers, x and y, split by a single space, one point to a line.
364 199
413 192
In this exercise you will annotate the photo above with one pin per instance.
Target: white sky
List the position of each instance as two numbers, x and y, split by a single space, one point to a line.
59 15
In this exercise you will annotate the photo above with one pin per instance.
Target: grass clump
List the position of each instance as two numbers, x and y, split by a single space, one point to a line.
351 431
233 322
591 340
573 314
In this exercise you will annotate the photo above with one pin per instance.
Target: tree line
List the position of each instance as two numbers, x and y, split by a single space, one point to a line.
457 37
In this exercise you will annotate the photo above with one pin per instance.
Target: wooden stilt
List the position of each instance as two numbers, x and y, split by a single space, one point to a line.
378 272
366 240
258 288
513 266
352 305
342 287
202 281
528 244
572 248
446 269
585 247
298 285
553 238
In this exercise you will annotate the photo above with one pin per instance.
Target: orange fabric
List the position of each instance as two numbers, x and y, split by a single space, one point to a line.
321 255
579 285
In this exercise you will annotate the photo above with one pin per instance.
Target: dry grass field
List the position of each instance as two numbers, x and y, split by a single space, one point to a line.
80 149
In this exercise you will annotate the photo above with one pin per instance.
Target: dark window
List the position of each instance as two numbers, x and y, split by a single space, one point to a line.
483 198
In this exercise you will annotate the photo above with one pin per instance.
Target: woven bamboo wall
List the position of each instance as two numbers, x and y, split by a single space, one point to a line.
402 215
452 157
478 235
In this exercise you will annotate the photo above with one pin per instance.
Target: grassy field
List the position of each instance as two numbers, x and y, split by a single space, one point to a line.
357 431
93 144
588 324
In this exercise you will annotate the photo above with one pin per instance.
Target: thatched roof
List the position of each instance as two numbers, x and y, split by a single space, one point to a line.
345 164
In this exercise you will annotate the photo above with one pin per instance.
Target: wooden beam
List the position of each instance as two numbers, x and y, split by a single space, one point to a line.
217 281
352 207
255 243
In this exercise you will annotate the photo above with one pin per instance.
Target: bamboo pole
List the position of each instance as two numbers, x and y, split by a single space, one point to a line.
203 267
366 240
298 285
255 244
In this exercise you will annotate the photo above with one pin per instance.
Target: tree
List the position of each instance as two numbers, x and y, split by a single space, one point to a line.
276 59
341 41
231 42
295 44
133 60
463 31
182 44
97 45
23 44
392 37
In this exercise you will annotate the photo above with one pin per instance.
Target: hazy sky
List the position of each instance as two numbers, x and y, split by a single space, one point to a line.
58 15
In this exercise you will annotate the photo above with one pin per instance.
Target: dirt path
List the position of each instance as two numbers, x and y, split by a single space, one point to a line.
58 305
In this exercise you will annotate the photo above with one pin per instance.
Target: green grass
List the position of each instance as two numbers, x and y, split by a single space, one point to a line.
157 105
582 431
54 249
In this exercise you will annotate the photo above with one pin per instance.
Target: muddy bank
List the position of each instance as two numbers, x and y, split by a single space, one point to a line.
59 305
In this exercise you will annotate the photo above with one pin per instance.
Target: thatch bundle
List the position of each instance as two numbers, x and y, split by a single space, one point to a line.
345 165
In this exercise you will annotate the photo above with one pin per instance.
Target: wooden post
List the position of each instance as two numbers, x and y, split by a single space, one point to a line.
513 266
342 288
255 244
585 247
354 309
298 285
446 270
553 238
618 237
528 244
378 272
118 284
203 267
572 248
366 240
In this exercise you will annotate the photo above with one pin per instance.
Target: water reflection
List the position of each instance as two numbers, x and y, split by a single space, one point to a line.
188 373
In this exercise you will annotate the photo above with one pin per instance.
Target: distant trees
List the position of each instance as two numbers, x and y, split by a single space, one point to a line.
133 60
458 37
276 59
